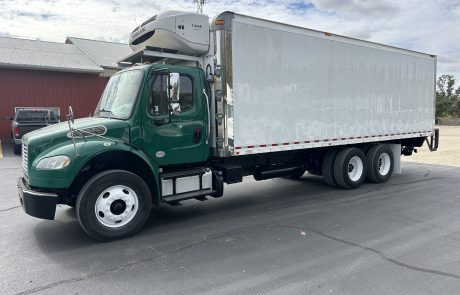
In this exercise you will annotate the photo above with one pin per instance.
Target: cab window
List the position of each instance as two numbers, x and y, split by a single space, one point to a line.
186 93
158 100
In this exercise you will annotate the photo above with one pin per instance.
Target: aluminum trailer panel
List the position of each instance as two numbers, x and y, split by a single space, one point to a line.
287 87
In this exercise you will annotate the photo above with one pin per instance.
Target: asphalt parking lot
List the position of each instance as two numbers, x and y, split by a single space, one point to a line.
273 237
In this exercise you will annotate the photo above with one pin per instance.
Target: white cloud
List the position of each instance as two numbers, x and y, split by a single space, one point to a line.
362 8
431 26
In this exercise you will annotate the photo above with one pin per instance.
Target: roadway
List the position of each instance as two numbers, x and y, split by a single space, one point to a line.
278 236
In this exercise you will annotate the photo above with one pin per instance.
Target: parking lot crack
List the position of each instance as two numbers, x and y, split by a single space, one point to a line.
412 182
8 209
189 245
375 252
428 171
207 239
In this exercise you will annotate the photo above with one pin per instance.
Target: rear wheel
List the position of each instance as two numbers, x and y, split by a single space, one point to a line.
113 204
381 161
350 168
328 167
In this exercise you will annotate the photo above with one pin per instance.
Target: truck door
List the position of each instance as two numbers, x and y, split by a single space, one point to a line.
177 138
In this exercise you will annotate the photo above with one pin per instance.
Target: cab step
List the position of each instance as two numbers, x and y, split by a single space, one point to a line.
185 173
200 195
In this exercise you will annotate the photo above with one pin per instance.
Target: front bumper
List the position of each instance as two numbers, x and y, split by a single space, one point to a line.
35 203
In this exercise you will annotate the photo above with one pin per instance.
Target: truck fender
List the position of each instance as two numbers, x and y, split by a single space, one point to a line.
156 193
152 182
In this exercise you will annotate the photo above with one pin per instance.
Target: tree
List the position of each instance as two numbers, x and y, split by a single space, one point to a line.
457 93
447 98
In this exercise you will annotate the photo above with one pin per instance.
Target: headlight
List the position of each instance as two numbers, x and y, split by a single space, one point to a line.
56 162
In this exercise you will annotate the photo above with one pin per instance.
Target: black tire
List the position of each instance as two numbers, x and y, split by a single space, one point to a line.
17 149
381 163
91 191
217 184
344 164
328 167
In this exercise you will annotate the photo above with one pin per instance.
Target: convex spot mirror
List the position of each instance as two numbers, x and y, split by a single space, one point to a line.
174 92
70 117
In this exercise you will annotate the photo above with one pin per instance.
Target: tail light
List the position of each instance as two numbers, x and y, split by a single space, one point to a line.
16 131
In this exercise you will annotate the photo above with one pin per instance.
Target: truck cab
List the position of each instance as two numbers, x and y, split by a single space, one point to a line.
150 120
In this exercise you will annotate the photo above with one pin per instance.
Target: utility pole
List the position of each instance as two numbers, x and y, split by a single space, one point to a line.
200 4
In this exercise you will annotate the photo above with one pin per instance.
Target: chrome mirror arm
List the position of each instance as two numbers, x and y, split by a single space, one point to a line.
70 121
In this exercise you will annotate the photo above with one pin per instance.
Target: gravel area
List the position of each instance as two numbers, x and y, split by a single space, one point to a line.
448 153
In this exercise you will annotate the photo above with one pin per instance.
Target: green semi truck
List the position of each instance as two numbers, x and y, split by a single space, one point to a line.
202 104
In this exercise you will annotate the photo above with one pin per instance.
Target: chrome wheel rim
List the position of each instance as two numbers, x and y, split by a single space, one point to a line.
384 163
355 168
116 206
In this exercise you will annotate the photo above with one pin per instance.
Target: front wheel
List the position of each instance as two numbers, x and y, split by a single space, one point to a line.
113 204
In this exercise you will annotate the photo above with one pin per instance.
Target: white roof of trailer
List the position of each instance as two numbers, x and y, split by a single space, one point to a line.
43 55
105 54
274 25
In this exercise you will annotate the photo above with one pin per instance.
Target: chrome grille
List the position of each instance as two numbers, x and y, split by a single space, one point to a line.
25 157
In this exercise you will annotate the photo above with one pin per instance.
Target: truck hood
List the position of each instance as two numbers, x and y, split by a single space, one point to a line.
54 136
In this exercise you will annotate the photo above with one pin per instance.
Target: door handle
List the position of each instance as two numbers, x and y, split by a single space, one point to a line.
197 135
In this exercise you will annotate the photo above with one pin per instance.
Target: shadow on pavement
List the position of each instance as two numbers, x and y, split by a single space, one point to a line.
65 233
7 149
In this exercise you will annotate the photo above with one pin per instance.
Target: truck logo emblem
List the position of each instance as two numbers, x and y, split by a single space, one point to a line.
160 154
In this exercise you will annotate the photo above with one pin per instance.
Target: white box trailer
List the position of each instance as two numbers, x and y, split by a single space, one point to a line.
278 88
282 87
286 87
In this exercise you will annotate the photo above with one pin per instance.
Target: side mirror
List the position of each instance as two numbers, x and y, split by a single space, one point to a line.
8 118
174 87
70 117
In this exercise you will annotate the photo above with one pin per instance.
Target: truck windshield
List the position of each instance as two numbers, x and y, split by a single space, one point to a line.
119 96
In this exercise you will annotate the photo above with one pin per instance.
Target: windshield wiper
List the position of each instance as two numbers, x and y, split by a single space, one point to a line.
107 111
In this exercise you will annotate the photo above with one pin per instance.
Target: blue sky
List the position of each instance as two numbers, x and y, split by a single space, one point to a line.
431 26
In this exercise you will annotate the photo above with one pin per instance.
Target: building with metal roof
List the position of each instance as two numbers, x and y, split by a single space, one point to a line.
105 54
37 73
41 55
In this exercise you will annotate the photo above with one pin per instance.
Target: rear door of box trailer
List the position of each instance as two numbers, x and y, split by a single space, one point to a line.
289 88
